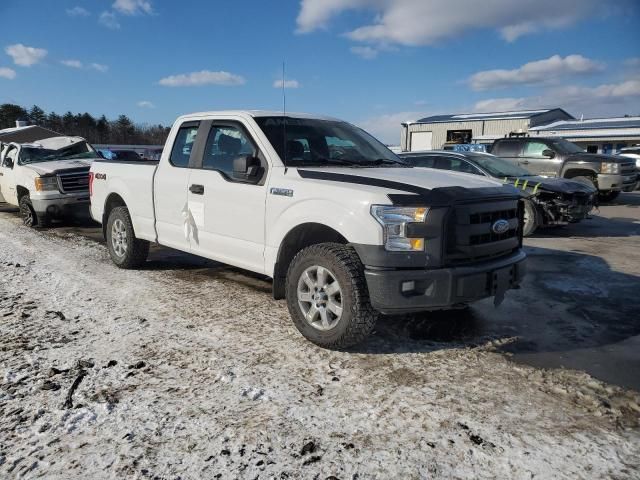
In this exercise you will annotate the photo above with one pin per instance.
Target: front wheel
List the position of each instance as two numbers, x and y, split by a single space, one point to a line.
125 249
531 221
327 296
29 216
608 196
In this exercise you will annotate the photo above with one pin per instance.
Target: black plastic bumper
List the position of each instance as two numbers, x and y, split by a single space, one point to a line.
404 291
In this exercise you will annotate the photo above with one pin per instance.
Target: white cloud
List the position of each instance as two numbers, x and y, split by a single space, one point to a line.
421 22
633 62
109 20
287 84
7 73
386 127
133 7
365 52
535 73
145 104
25 56
601 99
72 63
78 12
204 77
99 67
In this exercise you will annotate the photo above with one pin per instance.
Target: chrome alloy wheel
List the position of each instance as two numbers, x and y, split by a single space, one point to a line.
320 297
119 237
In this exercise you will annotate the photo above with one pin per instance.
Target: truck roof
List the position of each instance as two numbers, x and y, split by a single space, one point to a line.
257 113
53 143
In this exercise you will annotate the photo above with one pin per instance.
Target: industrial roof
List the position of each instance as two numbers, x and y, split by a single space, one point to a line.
465 117
591 124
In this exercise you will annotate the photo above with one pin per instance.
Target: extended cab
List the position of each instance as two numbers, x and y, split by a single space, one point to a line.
46 179
345 229
557 157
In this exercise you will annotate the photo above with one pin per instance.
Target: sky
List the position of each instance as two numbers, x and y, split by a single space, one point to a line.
375 63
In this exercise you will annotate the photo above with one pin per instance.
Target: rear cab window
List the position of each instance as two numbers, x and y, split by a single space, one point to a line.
183 144
507 148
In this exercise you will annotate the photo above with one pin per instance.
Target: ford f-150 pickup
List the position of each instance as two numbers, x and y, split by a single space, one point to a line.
345 229
46 179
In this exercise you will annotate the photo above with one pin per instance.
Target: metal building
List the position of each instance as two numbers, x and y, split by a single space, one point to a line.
595 135
431 133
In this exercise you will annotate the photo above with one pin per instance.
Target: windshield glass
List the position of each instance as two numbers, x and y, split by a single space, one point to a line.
564 146
74 152
498 167
314 142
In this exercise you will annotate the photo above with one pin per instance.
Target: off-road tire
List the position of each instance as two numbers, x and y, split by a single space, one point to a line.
29 216
136 250
532 219
585 180
358 316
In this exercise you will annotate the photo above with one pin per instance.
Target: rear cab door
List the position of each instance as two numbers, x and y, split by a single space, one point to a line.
171 183
509 149
228 208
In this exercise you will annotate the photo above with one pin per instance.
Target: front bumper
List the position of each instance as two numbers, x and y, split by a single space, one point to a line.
392 291
616 183
59 205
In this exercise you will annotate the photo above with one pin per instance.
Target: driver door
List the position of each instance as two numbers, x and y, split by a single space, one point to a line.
533 160
7 182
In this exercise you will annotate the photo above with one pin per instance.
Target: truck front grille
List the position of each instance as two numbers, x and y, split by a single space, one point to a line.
470 235
74 182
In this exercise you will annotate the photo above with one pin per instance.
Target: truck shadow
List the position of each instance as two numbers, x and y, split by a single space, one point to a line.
569 302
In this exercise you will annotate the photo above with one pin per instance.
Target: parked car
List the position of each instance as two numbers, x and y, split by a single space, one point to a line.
126 155
344 228
48 179
547 201
557 157
152 154
633 152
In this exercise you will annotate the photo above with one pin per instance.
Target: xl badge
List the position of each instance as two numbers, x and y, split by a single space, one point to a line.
500 226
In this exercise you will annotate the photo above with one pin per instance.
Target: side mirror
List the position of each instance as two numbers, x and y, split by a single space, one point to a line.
246 168
548 153
8 163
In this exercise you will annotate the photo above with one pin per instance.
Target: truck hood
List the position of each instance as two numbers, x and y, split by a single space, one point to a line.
429 178
596 157
56 166
556 185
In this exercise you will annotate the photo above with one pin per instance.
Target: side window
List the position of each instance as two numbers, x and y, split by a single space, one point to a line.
183 145
427 162
457 165
534 149
507 148
224 145
12 154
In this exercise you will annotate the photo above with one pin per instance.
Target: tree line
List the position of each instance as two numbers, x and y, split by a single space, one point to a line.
100 130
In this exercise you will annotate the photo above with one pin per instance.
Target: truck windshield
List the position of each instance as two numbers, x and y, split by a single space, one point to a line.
497 167
565 147
314 142
37 155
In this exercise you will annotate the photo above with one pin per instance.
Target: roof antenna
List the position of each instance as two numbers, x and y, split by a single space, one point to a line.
284 122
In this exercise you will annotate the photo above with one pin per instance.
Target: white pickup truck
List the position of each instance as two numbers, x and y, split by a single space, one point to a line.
46 179
345 229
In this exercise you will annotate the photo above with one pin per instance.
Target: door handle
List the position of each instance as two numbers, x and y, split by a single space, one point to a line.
197 189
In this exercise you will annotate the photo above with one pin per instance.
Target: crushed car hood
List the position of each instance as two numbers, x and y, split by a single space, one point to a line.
556 185
55 166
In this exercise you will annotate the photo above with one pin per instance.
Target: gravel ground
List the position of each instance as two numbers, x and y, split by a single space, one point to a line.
188 369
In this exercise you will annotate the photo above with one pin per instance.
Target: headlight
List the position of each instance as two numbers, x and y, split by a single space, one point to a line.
46 183
394 221
607 167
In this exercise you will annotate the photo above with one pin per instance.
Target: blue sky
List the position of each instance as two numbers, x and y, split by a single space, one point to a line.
373 62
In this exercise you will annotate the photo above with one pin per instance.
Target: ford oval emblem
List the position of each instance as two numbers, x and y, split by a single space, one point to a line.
500 226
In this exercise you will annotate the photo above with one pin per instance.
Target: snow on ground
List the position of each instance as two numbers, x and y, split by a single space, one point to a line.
197 373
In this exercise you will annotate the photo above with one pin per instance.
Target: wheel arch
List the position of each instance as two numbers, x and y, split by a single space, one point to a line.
114 200
572 172
298 238
21 192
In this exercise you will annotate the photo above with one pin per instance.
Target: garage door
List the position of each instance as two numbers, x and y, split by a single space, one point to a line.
421 141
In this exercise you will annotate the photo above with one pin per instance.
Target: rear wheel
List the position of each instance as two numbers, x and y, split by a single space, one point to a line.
125 249
327 296
531 220
29 216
